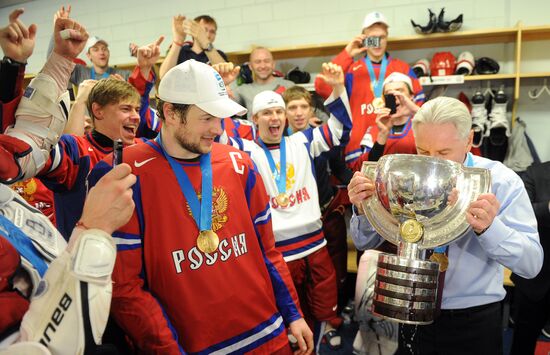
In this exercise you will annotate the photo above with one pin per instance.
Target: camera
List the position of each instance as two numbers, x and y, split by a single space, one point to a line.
389 99
372 42
117 152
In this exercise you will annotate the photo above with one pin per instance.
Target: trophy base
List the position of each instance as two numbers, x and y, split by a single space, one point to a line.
405 289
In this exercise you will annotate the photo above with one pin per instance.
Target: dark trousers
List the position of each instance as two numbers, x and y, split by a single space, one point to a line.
475 330
529 318
334 229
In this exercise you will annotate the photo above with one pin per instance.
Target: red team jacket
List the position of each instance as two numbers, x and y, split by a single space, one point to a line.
74 157
358 87
397 143
169 296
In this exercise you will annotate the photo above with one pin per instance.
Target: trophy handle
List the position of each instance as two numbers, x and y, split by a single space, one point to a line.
369 169
382 220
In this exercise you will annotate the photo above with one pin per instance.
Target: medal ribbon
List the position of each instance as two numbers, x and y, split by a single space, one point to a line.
93 74
200 210
377 83
469 163
280 177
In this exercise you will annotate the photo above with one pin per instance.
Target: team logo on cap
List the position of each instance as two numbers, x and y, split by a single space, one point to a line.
221 85
272 102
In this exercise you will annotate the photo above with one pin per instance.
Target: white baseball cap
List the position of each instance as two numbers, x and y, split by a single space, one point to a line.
267 99
195 83
92 41
399 77
375 17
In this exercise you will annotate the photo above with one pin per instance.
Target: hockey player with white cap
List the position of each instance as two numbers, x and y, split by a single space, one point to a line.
200 274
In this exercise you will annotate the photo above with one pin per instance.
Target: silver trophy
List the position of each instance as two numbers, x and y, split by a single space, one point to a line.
420 204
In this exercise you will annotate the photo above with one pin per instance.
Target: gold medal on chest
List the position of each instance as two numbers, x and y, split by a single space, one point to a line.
282 199
208 241
378 103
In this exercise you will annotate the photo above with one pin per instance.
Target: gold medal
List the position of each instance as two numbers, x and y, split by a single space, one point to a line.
208 241
378 103
441 259
282 199
411 231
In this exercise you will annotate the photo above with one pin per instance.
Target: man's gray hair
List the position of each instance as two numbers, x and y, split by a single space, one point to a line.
444 110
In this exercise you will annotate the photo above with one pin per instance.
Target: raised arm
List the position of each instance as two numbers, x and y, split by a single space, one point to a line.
147 56
345 59
143 79
178 38
43 110
199 35
63 12
17 42
336 131
76 123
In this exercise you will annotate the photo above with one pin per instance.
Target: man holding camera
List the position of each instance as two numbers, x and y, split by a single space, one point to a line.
365 77
392 133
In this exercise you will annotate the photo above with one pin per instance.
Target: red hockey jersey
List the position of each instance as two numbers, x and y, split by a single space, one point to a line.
73 158
397 143
358 86
169 296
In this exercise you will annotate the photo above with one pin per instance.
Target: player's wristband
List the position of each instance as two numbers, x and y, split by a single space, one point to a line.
13 62
81 224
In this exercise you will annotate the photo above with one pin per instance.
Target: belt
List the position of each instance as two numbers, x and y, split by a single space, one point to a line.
470 310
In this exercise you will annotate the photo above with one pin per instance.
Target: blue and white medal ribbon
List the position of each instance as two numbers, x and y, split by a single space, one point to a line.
201 211
280 176
377 83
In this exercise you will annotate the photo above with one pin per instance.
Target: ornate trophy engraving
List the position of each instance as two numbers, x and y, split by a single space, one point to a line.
420 203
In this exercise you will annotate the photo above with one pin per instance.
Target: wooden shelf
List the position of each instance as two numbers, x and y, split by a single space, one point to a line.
489 77
535 33
501 35
535 75
312 50
459 80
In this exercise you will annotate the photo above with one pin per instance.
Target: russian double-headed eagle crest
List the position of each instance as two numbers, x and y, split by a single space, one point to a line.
220 203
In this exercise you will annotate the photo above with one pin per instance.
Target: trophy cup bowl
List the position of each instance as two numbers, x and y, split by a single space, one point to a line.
420 203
